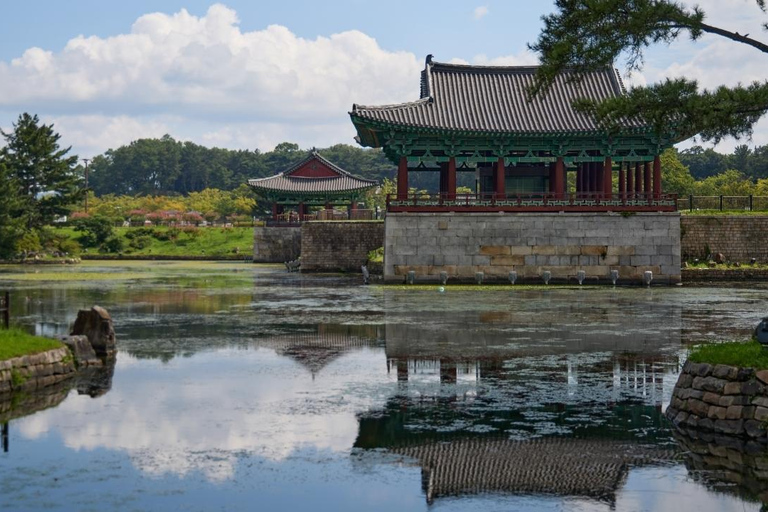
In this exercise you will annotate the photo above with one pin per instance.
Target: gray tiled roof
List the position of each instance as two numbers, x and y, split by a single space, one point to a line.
493 99
284 182
562 466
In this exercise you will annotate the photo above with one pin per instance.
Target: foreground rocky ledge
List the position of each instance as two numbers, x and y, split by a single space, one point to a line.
92 343
721 399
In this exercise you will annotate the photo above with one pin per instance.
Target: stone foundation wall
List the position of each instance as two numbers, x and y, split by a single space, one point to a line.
738 238
721 399
276 244
705 275
530 243
338 246
28 373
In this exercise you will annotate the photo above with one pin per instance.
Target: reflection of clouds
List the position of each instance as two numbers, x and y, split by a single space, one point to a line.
198 413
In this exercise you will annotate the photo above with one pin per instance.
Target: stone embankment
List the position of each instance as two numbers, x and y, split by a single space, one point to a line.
92 343
721 399
28 373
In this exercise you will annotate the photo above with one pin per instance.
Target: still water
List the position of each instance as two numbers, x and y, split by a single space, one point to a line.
240 387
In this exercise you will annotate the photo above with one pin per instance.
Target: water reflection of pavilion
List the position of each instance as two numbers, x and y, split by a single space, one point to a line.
314 347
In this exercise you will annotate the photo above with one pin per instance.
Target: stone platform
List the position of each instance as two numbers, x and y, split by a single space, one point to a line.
462 244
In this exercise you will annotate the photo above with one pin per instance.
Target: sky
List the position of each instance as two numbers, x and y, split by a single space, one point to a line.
246 75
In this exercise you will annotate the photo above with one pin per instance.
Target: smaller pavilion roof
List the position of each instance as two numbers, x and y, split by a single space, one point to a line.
313 175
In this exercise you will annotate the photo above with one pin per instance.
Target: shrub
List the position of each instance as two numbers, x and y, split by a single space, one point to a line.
95 230
112 244
140 242
29 242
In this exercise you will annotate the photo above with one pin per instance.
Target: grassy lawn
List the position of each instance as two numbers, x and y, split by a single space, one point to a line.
15 342
163 241
749 355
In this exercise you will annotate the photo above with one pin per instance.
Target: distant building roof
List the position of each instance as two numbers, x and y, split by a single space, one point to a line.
494 100
314 174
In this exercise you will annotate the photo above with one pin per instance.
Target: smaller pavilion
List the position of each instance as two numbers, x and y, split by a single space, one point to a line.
309 190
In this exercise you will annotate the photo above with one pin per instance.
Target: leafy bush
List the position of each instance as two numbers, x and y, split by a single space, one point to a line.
139 242
112 244
139 232
29 242
95 230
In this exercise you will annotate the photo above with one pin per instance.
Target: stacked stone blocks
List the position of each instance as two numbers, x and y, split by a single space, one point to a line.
738 238
339 246
495 244
721 399
28 373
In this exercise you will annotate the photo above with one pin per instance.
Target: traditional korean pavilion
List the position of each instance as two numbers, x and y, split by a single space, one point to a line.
314 182
557 177
479 119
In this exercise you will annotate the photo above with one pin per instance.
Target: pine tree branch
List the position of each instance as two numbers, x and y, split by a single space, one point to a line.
734 36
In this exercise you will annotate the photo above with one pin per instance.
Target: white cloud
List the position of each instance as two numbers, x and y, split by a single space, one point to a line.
480 12
205 70
523 58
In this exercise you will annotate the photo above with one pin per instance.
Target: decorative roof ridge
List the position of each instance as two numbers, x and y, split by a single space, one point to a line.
266 178
391 106
313 155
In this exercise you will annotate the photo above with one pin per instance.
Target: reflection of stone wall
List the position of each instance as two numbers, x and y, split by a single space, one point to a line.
18 405
334 246
726 464
27 373
722 399
276 245
530 243
739 238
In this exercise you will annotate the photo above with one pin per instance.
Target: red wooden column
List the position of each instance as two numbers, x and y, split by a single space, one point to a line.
578 179
452 179
622 181
501 183
402 179
608 178
302 211
552 178
559 177
638 178
656 176
647 179
592 178
274 211
443 178
599 180
630 180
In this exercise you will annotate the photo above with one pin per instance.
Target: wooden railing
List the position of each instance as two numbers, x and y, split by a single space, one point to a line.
581 202
294 219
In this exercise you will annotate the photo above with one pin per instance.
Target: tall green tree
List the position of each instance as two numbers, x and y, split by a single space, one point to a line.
588 35
44 173
11 224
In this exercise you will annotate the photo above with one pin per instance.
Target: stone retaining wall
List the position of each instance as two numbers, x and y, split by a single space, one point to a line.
276 244
339 246
721 399
704 275
28 373
531 243
737 237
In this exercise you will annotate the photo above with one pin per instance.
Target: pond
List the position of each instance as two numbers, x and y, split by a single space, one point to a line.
244 387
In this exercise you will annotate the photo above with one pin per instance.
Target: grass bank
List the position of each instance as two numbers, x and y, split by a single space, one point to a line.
744 354
207 242
15 343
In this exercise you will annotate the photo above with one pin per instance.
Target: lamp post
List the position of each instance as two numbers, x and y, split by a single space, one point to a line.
87 161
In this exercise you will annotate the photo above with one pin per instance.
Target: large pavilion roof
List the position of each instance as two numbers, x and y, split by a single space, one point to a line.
313 175
493 100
